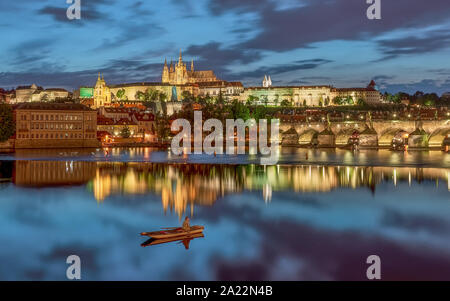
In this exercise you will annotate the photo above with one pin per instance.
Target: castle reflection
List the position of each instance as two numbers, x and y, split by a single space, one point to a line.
181 186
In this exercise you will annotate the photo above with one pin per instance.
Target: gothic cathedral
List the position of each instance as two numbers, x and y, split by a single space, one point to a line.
178 74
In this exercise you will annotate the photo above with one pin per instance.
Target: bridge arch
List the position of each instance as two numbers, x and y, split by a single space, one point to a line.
438 136
387 136
290 137
343 136
306 137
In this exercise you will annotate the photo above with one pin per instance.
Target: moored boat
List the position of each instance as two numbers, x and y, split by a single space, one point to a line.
175 232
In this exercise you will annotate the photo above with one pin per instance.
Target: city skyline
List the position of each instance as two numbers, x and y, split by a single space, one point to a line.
239 40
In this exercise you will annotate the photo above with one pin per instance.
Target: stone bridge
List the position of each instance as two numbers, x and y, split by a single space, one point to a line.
426 133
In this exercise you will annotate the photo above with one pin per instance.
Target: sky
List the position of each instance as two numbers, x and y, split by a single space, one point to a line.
296 42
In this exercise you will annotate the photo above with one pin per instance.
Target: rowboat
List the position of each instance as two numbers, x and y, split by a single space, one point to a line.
174 232
188 238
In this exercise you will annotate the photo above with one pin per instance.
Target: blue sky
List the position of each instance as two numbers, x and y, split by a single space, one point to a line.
295 41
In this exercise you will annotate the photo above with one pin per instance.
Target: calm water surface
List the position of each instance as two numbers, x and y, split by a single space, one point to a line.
314 218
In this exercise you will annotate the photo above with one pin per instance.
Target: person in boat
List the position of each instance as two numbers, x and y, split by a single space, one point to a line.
186 224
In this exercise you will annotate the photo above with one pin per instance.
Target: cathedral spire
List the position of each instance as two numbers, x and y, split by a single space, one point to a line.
192 65
98 76
165 62
180 60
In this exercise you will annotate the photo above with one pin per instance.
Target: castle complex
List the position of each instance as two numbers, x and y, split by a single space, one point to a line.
177 80
178 74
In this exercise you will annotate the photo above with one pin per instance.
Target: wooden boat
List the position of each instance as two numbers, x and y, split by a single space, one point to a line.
153 241
174 232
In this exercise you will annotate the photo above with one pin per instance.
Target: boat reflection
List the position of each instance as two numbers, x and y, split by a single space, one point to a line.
185 240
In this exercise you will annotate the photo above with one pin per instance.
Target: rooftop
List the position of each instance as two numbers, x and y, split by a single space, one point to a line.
53 106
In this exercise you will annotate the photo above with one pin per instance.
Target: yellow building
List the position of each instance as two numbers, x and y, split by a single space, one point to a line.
102 93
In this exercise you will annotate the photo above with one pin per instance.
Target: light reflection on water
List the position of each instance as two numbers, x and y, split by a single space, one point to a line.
382 157
283 222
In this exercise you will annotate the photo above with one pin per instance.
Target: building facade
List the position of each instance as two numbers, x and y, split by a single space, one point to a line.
102 93
55 125
311 96
35 93
178 74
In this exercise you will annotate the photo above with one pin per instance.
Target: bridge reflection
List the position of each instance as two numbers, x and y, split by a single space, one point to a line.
181 186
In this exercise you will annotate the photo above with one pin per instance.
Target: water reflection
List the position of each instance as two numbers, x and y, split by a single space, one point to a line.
381 157
182 186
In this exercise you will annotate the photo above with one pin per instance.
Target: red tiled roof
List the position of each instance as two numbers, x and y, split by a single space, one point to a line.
102 120
144 116
125 121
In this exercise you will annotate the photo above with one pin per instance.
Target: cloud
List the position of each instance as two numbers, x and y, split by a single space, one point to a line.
433 41
427 85
213 55
116 71
280 69
323 20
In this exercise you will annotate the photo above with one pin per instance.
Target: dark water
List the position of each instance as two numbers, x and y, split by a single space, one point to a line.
284 222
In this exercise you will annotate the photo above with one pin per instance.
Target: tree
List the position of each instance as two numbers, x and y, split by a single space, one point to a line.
162 127
429 102
7 126
162 97
285 103
121 94
240 111
140 96
260 112
125 133
338 100
187 96
251 100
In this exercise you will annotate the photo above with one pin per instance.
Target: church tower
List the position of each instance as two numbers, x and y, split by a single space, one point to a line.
102 94
192 66
165 73
181 71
